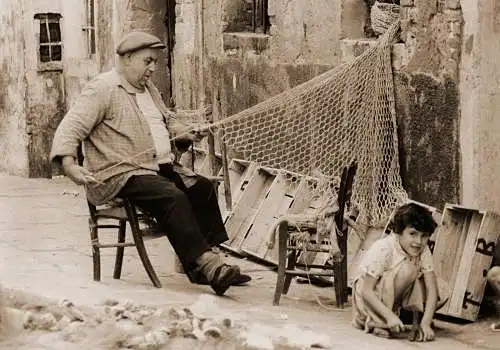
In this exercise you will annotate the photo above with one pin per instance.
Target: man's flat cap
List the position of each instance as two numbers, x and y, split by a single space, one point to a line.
135 41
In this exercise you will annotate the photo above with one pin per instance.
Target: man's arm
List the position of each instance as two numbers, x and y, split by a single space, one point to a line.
77 124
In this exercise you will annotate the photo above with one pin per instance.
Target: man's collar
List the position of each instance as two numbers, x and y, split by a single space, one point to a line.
123 82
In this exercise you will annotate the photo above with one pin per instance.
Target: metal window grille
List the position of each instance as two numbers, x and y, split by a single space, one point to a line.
90 28
260 18
50 42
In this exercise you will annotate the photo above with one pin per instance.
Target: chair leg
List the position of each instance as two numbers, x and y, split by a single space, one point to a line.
96 253
282 253
292 258
119 250
139 244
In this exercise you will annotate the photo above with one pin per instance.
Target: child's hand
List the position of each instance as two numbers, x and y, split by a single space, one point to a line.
423 332
426 333
395 324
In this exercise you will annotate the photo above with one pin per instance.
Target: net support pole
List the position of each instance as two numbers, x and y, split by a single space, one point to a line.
217 113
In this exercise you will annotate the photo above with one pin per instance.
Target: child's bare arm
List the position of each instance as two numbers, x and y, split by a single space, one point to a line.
432 295
426 333
367 289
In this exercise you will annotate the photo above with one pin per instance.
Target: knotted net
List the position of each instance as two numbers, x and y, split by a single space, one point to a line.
343 115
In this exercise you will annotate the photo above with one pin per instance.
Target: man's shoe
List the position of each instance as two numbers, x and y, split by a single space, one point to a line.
197 277
224 278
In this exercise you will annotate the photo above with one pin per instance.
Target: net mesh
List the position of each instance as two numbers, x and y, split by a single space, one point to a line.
346 114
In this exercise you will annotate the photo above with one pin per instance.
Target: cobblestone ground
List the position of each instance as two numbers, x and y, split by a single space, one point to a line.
45 258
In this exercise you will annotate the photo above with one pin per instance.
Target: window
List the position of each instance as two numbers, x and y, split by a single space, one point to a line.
50 43
249 16
259 16
89 27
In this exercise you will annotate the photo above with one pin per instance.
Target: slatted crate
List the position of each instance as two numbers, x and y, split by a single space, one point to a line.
239 172
277 202
253 191
463 252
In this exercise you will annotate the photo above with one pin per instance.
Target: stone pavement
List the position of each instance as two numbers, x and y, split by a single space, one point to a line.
45 252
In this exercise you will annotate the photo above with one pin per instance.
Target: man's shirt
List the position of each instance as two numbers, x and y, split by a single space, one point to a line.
117 138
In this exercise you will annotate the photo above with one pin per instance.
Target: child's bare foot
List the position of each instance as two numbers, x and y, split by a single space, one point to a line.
380 332
358 324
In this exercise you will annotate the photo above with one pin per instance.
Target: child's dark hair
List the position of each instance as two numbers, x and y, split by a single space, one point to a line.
413 215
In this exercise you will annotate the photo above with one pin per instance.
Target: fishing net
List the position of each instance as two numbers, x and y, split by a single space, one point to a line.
342 116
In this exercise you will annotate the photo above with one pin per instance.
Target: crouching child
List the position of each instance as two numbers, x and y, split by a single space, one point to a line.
397 272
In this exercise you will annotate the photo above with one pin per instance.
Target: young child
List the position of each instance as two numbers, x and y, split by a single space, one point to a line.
390 278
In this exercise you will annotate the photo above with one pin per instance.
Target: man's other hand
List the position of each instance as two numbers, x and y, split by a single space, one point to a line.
80 175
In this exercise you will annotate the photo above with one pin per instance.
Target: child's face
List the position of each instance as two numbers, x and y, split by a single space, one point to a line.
413 241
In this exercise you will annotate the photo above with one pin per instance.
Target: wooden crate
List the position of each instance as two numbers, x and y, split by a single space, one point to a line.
253 191
239 171
463 252
276 203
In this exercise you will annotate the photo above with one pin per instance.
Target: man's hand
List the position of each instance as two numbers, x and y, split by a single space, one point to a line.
79 175
423 332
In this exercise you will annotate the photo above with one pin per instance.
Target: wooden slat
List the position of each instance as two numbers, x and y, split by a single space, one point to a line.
476 284
239 222
309 273
114 245
239 171
277 202
448 249
464 266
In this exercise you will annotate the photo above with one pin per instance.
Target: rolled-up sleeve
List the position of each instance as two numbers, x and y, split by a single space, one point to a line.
88 110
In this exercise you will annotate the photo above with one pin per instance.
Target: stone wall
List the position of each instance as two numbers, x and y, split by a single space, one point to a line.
246 68
118 17
480 104
12 90
429 100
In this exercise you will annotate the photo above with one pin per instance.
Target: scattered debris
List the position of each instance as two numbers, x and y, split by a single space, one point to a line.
126 325
71 193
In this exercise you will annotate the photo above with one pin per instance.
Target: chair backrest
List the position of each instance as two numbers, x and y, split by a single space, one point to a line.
344 195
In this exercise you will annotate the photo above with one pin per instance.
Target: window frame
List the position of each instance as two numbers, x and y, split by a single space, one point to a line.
90 28
45 19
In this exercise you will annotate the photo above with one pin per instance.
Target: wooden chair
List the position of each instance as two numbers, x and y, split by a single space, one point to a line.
289 249
119 212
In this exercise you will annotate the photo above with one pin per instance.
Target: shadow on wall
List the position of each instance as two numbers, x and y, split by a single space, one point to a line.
427 110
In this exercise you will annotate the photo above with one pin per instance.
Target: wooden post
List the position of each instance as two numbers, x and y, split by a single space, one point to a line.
217 112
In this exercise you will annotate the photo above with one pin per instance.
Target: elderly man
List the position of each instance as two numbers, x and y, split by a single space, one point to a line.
125 128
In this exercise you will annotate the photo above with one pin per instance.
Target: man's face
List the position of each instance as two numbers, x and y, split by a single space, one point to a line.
140 65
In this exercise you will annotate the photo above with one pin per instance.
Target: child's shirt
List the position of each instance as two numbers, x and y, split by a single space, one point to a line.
386 254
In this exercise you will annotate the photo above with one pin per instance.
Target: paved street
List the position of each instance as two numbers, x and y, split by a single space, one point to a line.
45 251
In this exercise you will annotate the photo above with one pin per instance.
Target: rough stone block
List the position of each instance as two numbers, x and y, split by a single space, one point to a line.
245 41
406 3
453 4
453 15
271 8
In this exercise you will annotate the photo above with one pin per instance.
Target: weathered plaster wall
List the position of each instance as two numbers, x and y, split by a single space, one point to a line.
480 102
118 17
78 66
186 64
428 101
246 68
13 145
